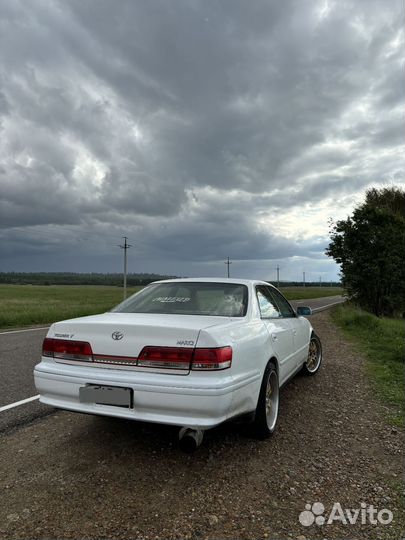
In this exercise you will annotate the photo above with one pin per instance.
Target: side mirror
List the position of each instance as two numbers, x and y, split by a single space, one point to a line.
304 311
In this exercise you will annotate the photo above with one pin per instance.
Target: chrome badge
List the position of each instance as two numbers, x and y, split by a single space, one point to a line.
117 335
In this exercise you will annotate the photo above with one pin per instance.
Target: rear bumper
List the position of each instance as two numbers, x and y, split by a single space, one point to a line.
160 398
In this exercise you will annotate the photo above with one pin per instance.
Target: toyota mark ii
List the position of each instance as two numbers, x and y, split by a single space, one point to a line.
188 352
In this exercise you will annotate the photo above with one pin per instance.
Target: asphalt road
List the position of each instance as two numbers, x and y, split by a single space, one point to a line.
20 351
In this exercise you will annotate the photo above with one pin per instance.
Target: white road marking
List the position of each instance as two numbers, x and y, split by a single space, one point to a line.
18 403
327 305
27 330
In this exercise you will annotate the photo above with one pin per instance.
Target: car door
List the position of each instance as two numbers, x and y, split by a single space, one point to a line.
299 327
279 329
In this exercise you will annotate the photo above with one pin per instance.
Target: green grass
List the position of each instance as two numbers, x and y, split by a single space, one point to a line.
302 293
382 341
22 305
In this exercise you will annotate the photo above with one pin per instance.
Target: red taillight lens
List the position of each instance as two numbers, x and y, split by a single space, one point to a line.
166 357
204 359
212 359
67 350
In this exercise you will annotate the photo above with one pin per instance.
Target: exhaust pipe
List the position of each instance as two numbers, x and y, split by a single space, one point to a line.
190 439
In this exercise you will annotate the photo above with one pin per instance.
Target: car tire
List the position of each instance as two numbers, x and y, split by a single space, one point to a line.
314 360
266 414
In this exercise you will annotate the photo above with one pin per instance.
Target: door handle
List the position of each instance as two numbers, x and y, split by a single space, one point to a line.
295 332
274 337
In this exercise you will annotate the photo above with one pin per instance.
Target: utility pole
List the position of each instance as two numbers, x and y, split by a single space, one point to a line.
228 263
278 276
303 279
125 247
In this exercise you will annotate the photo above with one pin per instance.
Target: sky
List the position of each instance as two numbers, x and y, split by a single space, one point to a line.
198 129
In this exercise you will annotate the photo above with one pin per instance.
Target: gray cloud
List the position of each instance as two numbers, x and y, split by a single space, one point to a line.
201 129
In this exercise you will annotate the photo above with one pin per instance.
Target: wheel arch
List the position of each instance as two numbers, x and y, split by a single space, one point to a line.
260 431
275 362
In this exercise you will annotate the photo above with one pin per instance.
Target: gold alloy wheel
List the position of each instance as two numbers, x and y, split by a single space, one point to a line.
272 400
314 355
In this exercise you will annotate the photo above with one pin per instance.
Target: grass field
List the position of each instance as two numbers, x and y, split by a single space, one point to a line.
301 293
382 340
23 305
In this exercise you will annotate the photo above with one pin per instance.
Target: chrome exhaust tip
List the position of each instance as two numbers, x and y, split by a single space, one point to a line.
190 439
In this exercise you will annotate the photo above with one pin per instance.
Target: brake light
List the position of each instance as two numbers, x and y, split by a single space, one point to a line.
67 349
166 357
212 359
203 359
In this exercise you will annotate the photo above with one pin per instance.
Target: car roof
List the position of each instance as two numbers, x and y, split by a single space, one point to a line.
233 281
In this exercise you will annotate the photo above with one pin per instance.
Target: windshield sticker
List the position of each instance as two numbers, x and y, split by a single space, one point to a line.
166 299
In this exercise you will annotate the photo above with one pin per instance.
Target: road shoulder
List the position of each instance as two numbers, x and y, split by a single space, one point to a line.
77 476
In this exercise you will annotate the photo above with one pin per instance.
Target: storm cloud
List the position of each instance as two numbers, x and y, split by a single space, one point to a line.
199 129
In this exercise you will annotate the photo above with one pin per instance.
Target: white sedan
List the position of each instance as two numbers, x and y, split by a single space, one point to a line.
187 352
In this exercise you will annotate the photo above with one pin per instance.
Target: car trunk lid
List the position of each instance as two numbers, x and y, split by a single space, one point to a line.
117 339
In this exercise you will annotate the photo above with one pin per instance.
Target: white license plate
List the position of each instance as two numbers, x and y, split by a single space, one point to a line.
106 395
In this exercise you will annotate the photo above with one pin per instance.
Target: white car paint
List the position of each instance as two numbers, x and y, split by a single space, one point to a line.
182 397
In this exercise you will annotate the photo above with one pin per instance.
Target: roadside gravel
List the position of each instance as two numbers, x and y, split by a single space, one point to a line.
76 476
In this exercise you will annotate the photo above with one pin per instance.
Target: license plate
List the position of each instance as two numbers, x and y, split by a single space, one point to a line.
106 395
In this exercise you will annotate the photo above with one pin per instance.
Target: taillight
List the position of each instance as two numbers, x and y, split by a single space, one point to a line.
67 349
212 359
204 359
166 357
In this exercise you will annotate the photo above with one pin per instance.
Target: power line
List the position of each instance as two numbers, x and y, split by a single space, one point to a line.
228 263
125 247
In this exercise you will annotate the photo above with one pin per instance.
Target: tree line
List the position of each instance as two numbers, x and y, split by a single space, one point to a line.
369 246
71 278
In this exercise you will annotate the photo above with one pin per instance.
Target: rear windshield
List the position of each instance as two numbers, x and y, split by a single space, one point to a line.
188 298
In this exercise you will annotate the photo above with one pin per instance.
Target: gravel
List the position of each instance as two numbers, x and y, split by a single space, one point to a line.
77 476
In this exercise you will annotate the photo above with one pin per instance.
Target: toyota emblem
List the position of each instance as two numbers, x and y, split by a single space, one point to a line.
117 335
